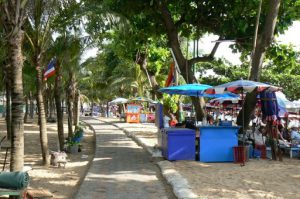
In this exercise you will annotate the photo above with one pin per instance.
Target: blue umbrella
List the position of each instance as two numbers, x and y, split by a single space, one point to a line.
195 90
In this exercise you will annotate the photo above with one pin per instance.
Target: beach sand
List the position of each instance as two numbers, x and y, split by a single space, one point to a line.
257 179
61 182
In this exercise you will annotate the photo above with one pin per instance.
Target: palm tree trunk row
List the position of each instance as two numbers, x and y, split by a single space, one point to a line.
17 103
42 116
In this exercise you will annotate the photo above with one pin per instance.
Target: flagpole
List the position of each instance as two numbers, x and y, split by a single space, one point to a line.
175 60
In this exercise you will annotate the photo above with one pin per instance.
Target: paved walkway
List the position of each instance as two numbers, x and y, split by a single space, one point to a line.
121 169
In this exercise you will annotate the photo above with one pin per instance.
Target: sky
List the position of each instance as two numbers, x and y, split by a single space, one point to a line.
290 36
206 44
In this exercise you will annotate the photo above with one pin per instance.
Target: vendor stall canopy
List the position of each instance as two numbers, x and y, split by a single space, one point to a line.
195 90
119 100
142 99
241 86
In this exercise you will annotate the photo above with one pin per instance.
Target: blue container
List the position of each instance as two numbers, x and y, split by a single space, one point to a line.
269 152
159 121
217 142
143 118
295 152
225 123
256 153
250 152
178 144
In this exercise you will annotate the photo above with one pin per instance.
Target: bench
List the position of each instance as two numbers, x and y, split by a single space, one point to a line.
38 193
293 151
11 192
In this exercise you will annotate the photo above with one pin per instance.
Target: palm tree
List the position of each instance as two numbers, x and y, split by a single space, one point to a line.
13 17
6 80
39 36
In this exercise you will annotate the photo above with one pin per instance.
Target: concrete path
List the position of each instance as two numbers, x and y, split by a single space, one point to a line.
121 169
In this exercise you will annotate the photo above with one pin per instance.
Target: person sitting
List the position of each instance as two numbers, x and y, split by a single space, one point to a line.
295 136
180 125
173 120
280 132
210 119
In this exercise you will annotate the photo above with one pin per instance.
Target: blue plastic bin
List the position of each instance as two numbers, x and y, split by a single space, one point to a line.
225 123
143 118
295 152
256 153
250 152
217 142
269 152
178 144
159 122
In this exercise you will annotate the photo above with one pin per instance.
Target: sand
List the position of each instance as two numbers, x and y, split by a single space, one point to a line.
61 182
257 179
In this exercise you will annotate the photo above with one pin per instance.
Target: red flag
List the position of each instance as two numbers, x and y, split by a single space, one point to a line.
50 70
171 75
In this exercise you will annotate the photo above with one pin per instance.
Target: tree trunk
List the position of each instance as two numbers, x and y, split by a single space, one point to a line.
70 100
183 64
107 109
17 138
59 112
76 108
41 114
264 41
26 110
92 107
46 100
8 88
243 118
31 113
142 62
4 105
51 104
70 117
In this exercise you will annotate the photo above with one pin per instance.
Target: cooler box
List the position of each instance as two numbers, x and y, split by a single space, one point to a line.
225 123
178 143
143 118
159 121
217 142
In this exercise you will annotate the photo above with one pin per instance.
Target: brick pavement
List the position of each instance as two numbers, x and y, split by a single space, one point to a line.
121 168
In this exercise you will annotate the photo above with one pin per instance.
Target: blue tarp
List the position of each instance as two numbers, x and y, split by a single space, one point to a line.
195 90
14 180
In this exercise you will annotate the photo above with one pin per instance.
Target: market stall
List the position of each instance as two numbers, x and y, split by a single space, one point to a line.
144 114
165 135
133 113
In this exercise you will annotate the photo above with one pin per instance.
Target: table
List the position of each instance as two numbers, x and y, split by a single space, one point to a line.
217 142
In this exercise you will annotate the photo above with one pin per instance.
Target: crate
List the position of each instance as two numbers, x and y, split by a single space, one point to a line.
262 149
240 154
178 144
256 153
